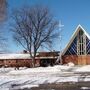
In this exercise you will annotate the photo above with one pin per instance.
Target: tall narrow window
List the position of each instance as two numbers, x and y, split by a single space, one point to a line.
81 43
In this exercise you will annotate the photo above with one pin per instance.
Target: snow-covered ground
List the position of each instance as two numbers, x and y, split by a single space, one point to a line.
32 77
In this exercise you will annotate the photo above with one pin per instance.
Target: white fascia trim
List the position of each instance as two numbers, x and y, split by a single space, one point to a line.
73 36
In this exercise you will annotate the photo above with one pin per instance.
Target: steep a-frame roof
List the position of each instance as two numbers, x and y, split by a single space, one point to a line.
79 27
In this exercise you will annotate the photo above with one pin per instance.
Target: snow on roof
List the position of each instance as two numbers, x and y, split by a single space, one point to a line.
21 56
14 56
79 27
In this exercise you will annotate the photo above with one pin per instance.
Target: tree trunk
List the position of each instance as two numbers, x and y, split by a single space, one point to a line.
33 62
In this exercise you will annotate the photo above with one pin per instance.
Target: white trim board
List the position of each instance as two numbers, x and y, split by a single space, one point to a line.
79 27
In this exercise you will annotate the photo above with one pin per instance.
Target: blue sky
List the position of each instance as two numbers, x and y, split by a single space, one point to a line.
70 12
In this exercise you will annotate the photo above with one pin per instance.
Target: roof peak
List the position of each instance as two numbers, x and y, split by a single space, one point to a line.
79 27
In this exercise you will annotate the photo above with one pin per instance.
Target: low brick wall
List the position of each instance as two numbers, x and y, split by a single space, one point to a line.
77 60
70 58
18 63
1 63
88 59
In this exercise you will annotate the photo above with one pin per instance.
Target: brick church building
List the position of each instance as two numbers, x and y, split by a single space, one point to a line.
78 48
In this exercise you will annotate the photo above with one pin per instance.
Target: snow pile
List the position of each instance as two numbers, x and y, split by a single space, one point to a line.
36 70
54 69
33 77
63 67
22 82
85 68
6 70
70 64
85 88
28 86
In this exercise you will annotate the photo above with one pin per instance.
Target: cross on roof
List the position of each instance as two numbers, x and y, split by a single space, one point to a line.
60 25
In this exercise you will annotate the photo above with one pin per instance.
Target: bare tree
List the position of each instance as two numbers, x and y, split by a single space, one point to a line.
34 27
3 10
3 15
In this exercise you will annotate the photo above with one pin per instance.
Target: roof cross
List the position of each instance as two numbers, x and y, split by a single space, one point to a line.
60 25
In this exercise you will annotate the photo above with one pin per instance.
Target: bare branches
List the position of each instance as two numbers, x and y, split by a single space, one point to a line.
33 27
3 7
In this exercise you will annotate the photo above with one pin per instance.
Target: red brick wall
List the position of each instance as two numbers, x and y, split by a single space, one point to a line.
9 62
69 58
88 59
82 60
19 63
78 60
1 63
